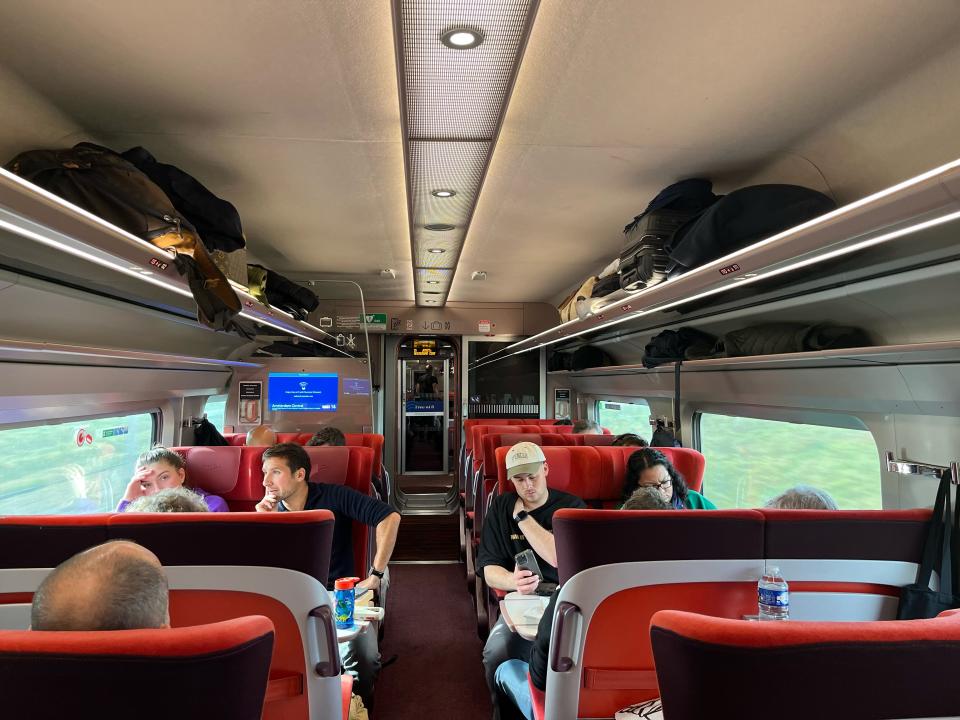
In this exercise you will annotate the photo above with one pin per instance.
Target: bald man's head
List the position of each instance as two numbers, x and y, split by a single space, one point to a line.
262 436
115 586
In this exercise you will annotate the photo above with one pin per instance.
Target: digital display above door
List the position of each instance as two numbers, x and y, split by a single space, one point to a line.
303 392
424 348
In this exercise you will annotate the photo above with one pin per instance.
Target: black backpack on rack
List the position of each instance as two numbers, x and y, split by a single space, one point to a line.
217 220
644 260
101 182
287 295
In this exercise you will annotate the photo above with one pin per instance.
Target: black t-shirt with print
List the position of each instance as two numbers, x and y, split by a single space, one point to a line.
502 540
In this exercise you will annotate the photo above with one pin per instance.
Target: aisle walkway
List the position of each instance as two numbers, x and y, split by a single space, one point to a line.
432 630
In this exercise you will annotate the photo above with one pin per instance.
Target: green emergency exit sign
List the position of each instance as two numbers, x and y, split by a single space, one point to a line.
375 319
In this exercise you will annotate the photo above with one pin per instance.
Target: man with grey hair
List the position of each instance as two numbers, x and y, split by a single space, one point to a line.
803 497
262 436
646 498
115 586
179 499
586 427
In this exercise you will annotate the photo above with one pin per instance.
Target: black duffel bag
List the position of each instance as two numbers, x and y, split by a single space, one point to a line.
216 220
777 338
100 181
288 295
687 343
742 218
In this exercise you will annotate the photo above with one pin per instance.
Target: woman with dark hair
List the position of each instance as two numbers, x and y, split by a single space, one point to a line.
629 440
651 468
160 469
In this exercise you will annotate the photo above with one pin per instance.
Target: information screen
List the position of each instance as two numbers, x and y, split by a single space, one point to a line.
303 392
424 348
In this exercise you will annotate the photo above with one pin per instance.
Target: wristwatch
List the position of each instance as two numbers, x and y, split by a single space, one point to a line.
520 516
377 573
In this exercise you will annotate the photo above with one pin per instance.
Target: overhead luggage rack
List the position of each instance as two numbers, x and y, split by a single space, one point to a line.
923 202
34 214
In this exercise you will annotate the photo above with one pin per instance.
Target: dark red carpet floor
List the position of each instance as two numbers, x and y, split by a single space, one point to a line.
432 630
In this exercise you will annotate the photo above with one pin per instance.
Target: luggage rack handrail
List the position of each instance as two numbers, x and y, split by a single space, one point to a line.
917 204
39 215
909 467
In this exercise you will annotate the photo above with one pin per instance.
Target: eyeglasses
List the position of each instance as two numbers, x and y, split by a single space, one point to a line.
662 485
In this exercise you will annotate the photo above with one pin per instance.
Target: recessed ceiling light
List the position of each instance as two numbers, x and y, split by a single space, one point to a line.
433 282
443 193
440 227
436 251
461 38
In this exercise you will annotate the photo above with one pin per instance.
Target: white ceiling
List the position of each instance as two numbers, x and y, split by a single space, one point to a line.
289 109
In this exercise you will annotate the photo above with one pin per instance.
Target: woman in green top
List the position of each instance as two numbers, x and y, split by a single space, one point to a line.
651 468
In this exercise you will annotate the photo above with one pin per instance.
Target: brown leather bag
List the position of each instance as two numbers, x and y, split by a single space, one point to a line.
100 181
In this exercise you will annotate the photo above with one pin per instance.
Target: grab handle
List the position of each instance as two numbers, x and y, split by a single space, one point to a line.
328 629
561 658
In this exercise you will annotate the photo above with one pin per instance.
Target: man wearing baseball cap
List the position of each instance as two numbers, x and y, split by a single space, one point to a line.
517 521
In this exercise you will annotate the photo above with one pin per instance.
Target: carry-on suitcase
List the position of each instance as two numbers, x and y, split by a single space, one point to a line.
100 181
645 260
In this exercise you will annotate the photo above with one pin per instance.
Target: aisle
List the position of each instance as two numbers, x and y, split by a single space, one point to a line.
432 630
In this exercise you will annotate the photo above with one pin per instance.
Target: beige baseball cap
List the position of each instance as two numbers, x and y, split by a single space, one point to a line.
524 458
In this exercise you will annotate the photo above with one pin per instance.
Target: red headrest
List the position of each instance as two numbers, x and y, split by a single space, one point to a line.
214 469
563 429
372 441
237 439
689 462
571 469
476 433
162 642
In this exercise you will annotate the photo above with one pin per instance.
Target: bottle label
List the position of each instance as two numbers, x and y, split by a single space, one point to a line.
774 598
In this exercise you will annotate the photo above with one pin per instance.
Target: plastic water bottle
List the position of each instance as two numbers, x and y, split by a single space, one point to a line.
773 596
344 595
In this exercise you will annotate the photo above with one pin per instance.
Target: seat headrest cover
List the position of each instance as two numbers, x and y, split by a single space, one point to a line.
214 469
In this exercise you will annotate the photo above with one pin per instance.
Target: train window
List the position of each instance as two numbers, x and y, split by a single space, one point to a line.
216 411
625 417
80 466
750 460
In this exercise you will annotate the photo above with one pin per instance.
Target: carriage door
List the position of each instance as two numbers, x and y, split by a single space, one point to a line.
424 410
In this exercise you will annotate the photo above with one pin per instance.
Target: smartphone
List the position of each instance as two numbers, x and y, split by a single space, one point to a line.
528 561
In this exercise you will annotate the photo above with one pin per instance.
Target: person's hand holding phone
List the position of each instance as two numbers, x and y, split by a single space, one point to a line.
526 581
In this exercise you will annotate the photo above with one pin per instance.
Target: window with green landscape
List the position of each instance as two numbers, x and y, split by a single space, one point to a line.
750 460
621 417
216 410
81 466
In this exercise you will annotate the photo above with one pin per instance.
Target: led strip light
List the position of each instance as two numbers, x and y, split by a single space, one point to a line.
84 244
917 204
457 62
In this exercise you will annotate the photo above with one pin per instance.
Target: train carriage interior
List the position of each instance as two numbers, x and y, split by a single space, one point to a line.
479 358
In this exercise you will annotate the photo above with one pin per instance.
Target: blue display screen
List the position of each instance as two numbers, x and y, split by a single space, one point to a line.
303 392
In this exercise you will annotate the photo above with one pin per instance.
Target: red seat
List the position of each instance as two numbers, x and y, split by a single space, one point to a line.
845 564
854 670
689 462
617 568
597 440
572 469
220 566
221 667
236 439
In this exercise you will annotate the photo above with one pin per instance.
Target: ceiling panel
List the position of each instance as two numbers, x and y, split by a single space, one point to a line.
289 109
617 99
